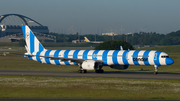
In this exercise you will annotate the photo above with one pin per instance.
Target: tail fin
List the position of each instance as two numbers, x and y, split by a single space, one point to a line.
86 39
32 43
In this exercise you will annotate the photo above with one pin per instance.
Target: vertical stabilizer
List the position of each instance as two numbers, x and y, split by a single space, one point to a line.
86 39
121 48
32 43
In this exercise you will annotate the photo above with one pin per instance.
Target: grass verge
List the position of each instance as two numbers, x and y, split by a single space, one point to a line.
90 88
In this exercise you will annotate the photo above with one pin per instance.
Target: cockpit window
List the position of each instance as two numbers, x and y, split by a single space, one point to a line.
164 56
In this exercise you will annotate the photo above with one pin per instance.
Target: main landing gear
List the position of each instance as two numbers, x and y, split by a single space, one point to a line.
82 71
100 70
85 71
156 69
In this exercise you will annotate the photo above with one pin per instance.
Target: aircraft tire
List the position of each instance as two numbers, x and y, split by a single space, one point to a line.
80 71
97 71
155 73
102 71
84 71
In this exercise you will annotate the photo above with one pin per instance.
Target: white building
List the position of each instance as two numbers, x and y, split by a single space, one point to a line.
109 34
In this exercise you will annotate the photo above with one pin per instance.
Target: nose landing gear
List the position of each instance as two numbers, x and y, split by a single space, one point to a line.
156 69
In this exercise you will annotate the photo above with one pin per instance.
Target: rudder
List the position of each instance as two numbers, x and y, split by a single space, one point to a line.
32 42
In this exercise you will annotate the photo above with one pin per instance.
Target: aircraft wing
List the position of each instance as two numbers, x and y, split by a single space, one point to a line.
70 59
67 59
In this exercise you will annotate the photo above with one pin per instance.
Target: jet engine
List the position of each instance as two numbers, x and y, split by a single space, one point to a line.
90 65
119 66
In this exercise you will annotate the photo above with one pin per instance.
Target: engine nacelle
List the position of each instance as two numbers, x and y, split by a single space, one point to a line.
90 65
119 66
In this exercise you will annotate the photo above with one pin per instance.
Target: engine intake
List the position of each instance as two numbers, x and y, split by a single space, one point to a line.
90 65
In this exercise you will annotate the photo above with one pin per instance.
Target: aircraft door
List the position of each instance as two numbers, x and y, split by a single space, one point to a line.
155 56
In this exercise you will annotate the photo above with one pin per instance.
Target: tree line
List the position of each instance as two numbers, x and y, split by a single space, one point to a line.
140 38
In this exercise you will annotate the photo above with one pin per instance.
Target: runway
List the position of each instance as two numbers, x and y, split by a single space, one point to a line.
106 74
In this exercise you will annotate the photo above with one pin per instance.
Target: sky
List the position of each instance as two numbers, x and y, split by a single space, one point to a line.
99 16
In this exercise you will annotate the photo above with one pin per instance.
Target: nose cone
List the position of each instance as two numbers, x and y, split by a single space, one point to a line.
169 61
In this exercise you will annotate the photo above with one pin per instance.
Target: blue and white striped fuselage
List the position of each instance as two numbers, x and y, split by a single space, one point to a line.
92 59
109 57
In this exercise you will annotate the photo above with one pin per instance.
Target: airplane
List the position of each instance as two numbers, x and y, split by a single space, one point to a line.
87 40
92 59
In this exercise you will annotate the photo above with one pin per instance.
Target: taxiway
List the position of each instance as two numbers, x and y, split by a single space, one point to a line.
106 74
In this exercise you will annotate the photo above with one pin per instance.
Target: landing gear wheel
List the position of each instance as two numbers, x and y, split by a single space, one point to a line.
82 71
156 69
155 72
101 71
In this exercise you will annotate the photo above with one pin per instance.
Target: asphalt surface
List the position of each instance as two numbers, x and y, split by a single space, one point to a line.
127 75
3 99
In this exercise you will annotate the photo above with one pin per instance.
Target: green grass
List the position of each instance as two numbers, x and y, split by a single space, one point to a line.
17 62
167 49
93 88
9 44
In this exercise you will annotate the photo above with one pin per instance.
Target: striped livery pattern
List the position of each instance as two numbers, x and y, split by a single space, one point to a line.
35 51
109 57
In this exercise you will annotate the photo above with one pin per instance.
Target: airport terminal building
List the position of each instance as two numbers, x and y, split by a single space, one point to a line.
14 29
13 33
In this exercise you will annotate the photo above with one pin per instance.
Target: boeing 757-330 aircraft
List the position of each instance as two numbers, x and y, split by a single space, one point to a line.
92 59
87 40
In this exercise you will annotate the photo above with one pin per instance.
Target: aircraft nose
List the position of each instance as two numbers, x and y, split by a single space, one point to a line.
169 61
